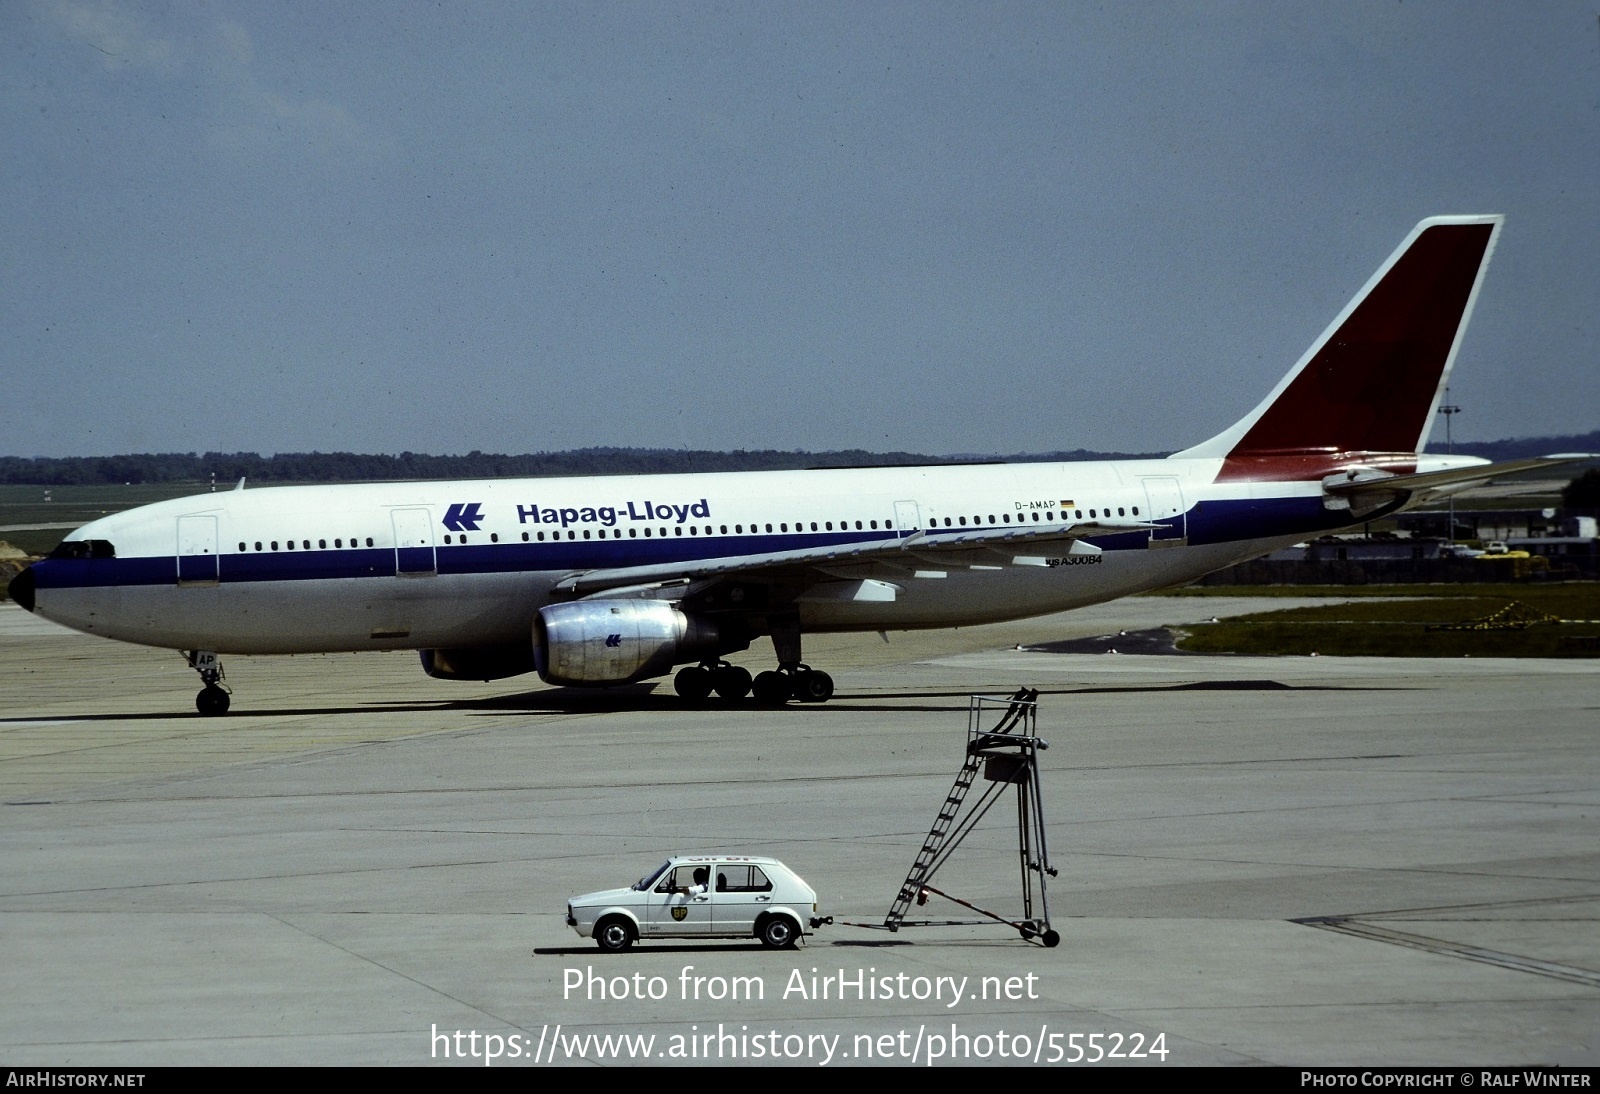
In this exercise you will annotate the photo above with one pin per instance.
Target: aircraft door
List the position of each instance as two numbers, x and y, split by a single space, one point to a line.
197 551
413 543
1165 497
907 518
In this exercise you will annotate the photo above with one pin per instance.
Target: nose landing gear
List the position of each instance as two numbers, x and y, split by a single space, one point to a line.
213 699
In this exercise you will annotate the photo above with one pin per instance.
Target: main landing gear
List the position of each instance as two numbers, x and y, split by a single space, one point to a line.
698 681
790 680
771 688
800 683
213 698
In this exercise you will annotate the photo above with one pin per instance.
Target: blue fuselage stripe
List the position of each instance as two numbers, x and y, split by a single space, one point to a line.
1207 522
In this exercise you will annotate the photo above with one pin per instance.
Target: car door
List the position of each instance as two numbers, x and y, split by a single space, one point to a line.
678 907
742 892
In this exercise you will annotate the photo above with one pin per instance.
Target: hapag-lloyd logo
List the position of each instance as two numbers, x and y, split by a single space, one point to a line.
609 515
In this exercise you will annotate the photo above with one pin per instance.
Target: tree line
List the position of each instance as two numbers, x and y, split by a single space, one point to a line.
283 467
307 467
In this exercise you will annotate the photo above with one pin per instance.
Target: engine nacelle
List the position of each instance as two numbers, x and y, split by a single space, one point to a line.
592 643
479 662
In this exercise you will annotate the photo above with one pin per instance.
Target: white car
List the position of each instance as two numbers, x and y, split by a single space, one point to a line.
701 896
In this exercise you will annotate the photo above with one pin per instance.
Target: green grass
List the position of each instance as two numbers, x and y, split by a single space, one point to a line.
1454 603
35 541
1396 627
1505 590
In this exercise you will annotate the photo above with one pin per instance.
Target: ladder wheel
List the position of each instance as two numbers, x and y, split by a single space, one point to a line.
1051 939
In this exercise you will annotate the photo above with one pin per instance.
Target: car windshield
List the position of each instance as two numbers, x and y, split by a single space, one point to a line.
650 879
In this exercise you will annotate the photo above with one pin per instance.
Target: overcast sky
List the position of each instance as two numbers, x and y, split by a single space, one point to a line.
943 228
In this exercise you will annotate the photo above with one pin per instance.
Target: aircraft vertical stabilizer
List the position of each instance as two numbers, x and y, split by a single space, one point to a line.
1372 382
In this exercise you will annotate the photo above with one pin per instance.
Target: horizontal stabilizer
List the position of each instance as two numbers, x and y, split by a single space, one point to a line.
1350 484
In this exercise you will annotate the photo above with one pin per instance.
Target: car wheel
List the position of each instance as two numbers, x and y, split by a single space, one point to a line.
613 935
780 933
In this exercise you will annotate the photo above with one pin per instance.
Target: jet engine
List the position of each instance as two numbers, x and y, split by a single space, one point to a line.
592 643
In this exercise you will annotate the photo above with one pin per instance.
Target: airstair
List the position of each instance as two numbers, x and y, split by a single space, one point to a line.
1006 752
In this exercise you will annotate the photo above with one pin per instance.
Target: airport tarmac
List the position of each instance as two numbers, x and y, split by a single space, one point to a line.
1294 861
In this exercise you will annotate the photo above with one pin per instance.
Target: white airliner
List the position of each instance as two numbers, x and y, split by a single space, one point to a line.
605 581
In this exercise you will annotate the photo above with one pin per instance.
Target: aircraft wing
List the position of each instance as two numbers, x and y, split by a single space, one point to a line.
975 547
1422 486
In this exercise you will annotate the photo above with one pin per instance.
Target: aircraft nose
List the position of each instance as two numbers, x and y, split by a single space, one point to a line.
21 588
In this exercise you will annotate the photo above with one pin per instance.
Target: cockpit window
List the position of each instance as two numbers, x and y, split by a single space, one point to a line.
84 548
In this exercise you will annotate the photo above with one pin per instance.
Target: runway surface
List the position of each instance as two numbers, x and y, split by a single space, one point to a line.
1306 861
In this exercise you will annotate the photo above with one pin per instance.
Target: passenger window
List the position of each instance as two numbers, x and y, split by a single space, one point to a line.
241 546
322 545
742 879
369 541
1120 513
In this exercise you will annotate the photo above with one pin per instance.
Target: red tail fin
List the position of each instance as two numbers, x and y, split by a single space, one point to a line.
1371 383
